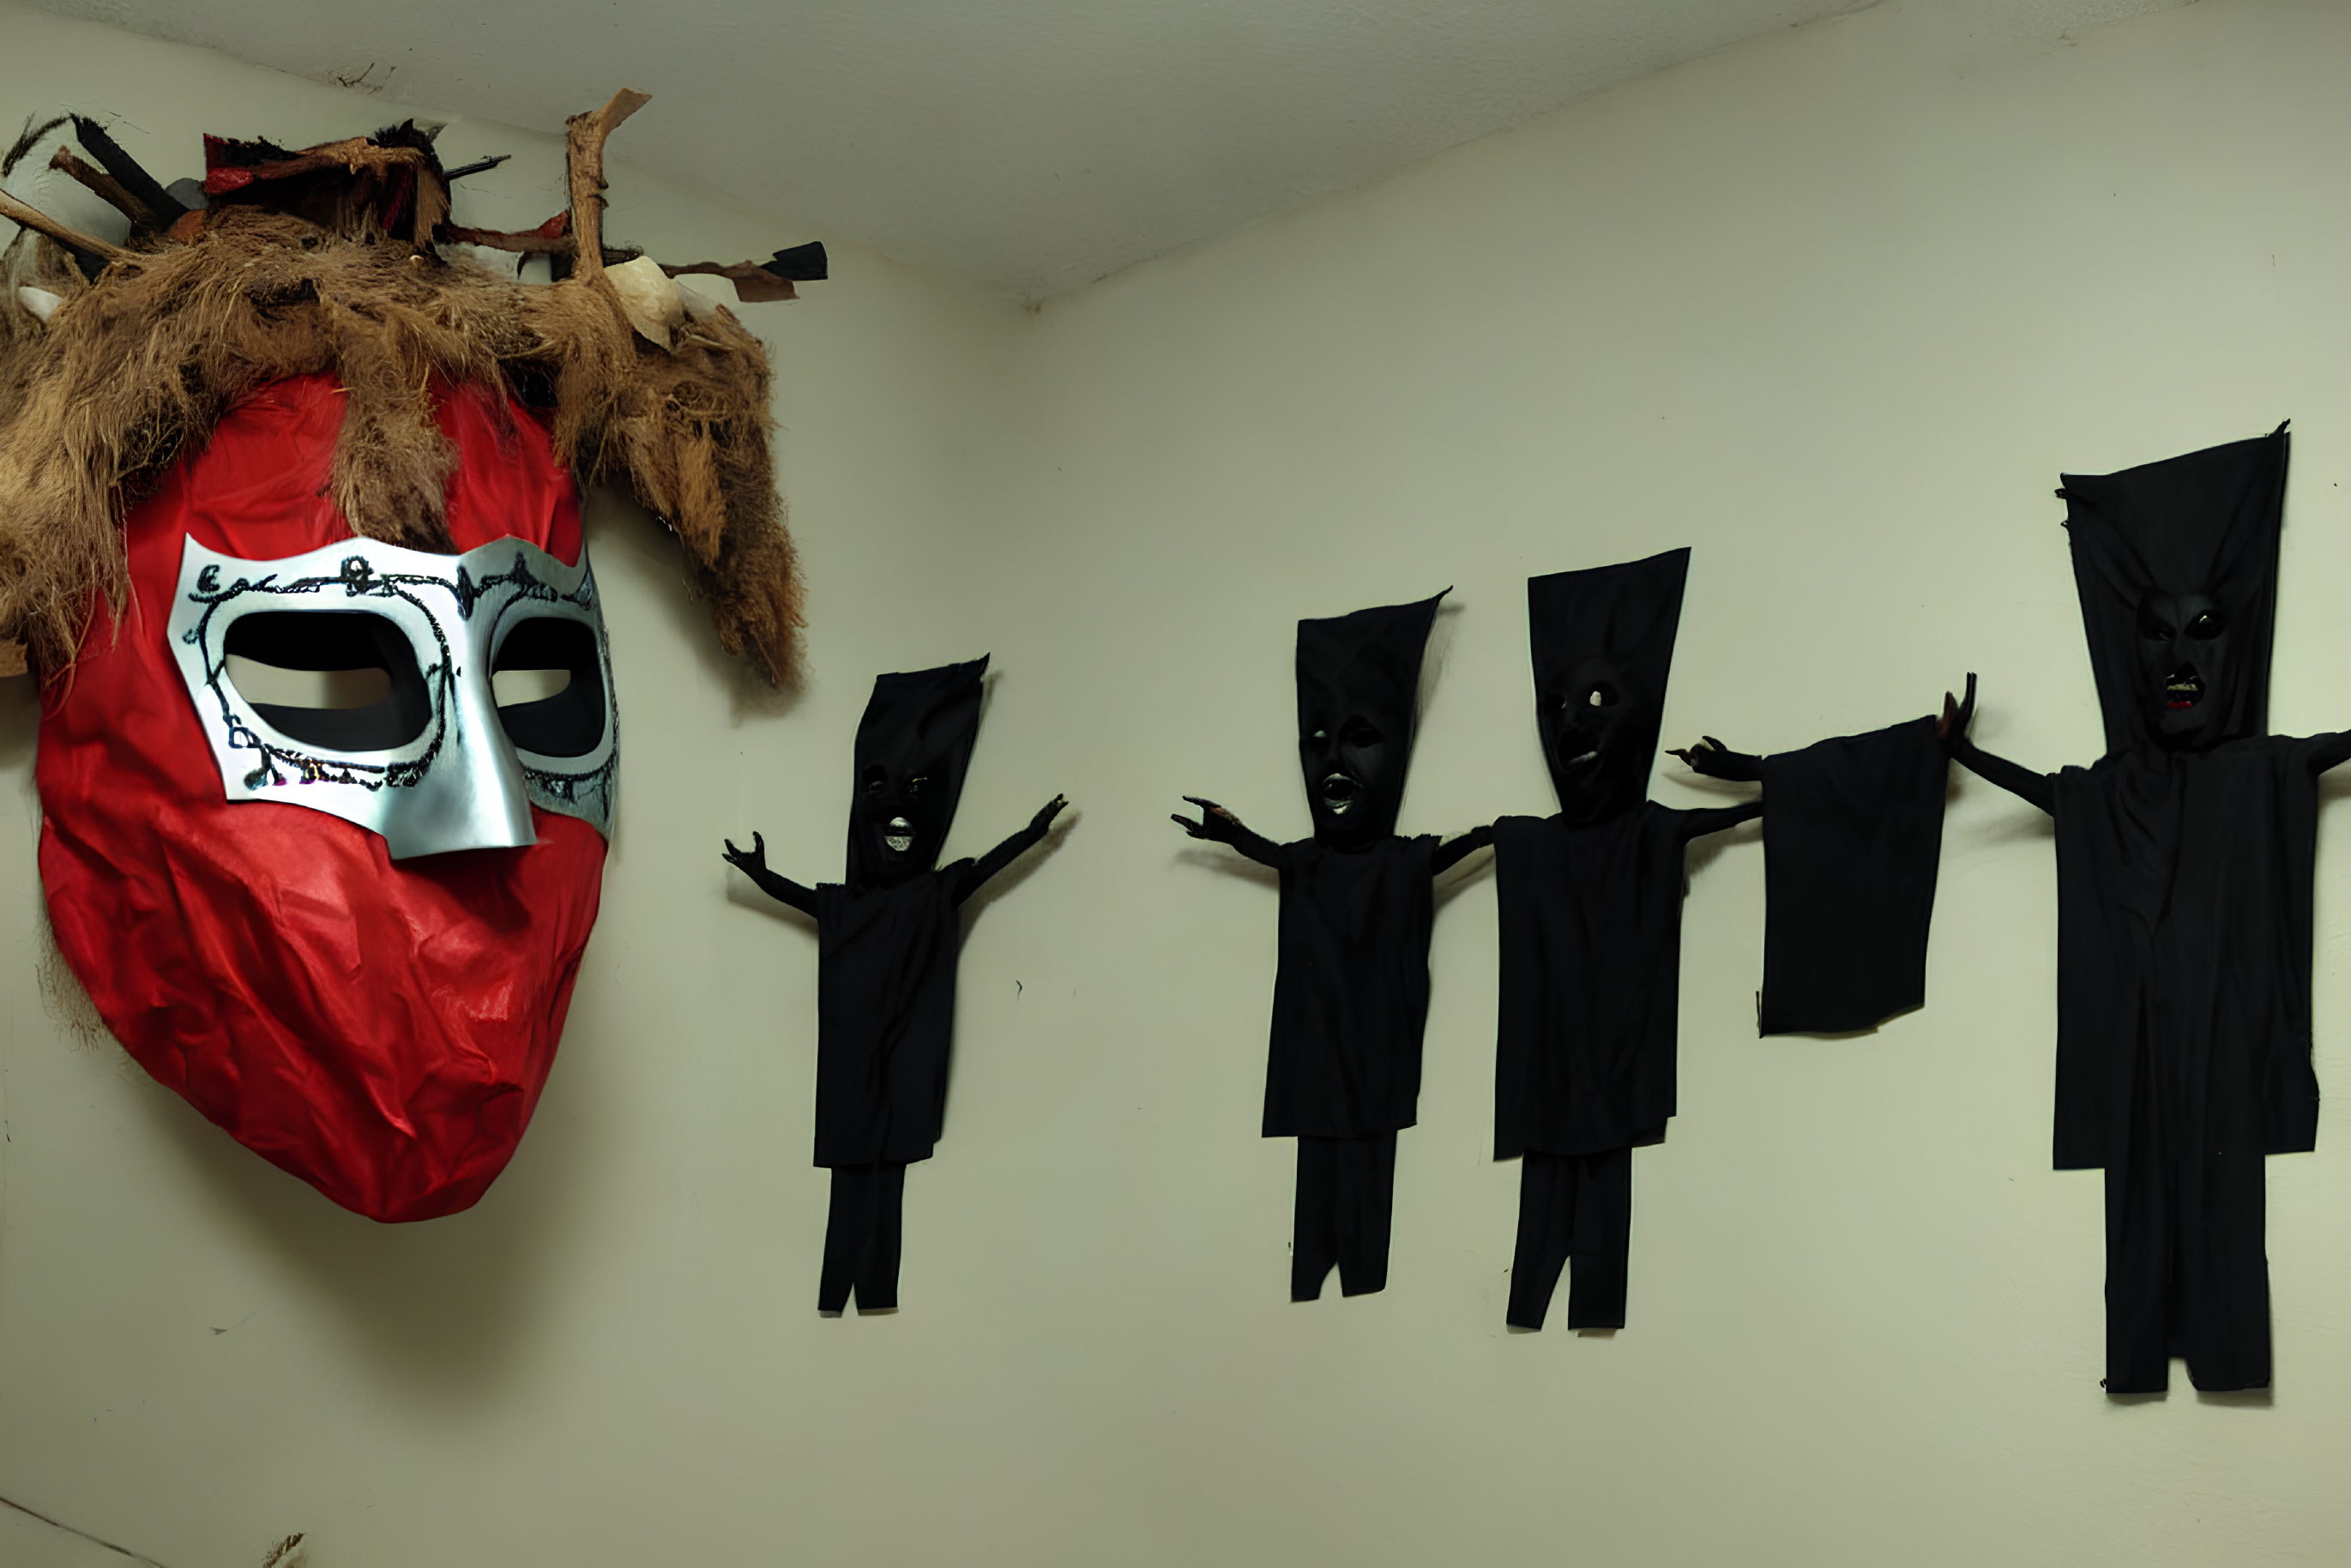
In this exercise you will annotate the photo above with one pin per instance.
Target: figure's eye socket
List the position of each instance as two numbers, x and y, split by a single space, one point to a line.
918 783
1600 695
1320 737
2208 625
341 680
1361 734
2154 627
549 686
876 784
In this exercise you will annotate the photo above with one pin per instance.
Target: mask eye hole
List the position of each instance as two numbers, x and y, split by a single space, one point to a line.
2154 627
918 784
1361 734
1600 695
340 680
2208 625
549 686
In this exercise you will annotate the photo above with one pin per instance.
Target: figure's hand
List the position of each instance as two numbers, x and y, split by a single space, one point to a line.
753 860
1216 823
1714 760
1952 725
1044 819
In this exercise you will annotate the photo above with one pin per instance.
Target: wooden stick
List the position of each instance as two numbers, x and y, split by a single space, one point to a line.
41 222
583 148
109 189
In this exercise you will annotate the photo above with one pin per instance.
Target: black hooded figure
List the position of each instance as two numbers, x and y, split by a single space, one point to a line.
2184 880
887 940
1590 903
1351 992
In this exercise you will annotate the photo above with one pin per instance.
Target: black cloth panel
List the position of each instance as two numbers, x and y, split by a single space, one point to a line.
1351 989
1851 844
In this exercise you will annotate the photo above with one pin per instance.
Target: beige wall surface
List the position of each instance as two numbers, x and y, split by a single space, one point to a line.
1835 309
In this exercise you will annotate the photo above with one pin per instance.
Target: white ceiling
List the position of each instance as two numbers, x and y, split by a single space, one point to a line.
1032 145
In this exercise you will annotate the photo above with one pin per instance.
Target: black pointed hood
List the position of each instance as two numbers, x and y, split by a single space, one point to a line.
1358 704
1603 646
914 747
2176 565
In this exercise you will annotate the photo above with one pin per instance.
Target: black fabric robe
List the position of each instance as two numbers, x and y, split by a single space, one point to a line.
886 1015
1351 992
1590 929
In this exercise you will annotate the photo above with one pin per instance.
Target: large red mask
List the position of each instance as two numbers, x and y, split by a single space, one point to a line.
379 1027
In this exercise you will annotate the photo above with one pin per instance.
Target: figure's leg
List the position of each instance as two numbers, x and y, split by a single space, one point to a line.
1547 1185
847 1231
1314 1229
2224 1272
1365 1208
877 1265
1603 1238
2141 1258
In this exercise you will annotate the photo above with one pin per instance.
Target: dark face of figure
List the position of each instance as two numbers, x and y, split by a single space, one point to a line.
904 815
1354 772
1603 646
913 745
1358 692
2176 566
1599 727
2183 659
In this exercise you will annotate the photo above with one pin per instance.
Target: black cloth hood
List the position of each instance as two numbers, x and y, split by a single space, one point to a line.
1358 704
1606 633
2187 531
914 747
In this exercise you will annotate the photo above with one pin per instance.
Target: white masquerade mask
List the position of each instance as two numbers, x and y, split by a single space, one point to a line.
435 765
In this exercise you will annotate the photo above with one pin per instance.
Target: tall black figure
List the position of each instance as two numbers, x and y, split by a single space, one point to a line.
1350 993
887 940
1591 908
2184 873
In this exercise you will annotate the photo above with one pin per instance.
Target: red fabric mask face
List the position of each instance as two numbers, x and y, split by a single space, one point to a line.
380 1030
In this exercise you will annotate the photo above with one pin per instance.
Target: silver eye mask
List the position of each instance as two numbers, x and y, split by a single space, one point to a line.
436 765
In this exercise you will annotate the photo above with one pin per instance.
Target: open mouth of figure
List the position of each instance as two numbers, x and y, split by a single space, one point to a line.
898 835
1339 793
2183 688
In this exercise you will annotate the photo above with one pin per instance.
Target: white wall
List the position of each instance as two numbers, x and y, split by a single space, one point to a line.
1835 309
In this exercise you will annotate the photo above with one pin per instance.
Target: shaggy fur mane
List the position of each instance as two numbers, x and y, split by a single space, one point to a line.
134 369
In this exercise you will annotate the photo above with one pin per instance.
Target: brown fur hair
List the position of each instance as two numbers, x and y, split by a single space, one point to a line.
134 369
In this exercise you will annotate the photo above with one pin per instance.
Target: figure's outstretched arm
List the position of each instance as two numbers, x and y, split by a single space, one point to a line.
1222 827
753 862
981 871
2330 750
1952 729
1716 760
1451 853
1715 819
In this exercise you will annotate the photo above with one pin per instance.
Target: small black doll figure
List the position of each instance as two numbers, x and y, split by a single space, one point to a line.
887 940
1351 994
1590 903
2185 859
